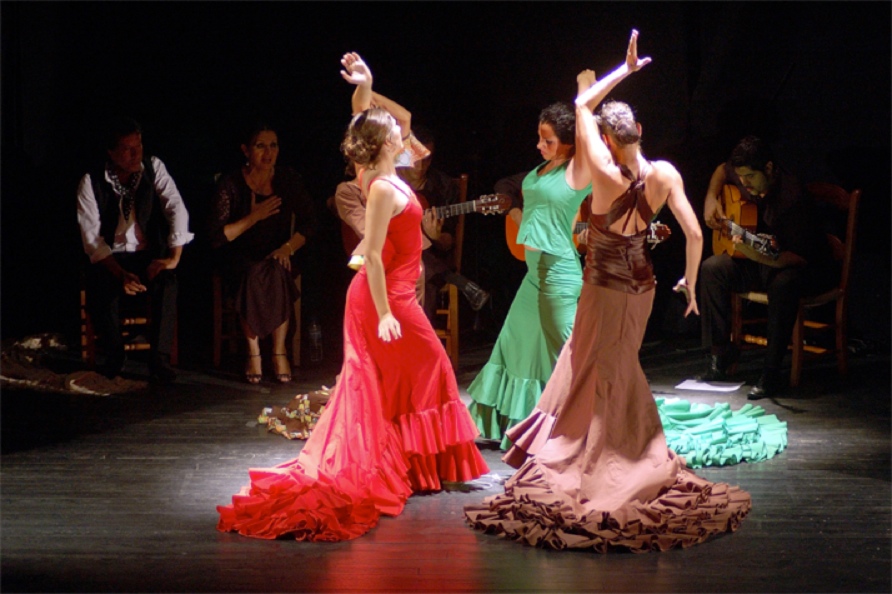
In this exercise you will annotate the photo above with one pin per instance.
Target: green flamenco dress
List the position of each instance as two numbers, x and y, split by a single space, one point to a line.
541 316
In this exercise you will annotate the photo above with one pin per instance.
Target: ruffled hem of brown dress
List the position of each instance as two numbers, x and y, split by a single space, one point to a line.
688 512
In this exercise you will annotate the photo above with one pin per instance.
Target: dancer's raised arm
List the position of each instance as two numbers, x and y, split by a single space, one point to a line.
598 91
356 72
597 154
402 115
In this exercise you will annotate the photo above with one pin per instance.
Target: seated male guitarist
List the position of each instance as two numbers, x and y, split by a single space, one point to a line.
435 188
798 264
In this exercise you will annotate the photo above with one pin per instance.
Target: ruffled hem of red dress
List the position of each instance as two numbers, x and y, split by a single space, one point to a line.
283 501
439 444
689 512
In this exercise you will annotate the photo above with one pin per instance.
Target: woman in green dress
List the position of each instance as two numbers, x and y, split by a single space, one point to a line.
541 316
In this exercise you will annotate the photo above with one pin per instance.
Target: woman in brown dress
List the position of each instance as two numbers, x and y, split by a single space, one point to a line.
595 470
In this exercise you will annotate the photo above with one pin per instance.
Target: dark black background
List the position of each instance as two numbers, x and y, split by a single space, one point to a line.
813 77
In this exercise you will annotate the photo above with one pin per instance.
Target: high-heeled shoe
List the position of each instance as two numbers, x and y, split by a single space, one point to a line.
252 378
283 378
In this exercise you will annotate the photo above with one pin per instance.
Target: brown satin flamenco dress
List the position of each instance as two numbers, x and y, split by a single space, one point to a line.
595 471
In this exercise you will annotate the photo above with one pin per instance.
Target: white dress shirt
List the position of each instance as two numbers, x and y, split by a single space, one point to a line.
128 236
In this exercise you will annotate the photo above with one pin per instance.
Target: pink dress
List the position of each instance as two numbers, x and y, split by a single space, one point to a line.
394 424
595 470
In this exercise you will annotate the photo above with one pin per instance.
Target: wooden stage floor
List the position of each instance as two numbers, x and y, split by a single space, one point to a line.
118 494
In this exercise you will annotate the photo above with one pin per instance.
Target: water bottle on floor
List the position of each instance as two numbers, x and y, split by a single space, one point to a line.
315 342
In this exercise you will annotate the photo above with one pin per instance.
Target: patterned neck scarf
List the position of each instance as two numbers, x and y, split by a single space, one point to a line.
127 191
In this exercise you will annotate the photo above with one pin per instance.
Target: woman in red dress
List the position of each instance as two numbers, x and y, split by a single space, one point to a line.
394 424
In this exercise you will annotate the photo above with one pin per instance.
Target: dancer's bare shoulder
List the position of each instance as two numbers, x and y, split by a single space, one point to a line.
664 171
663 180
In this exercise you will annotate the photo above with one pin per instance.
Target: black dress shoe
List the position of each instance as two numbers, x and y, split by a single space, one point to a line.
476 296
718 368
112 367
768 386
714 371
163 376
160 371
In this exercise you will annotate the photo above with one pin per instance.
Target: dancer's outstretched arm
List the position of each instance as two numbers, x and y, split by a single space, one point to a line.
402 115
356 72
598 91
684 214
600 161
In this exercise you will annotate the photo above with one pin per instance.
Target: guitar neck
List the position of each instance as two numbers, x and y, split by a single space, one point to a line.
453 210
751 239
761 244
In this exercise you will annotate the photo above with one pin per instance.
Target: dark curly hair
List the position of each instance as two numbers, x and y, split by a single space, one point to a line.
252 130
752 152
366 135
116 128
617 119
562 119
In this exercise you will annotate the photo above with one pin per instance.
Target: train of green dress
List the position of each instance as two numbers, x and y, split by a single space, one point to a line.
718 436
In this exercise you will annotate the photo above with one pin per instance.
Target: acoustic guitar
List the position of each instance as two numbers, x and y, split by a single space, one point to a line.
739 211
741 218
656 234
486 204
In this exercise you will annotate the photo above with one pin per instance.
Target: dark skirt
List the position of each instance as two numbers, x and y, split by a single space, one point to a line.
265 296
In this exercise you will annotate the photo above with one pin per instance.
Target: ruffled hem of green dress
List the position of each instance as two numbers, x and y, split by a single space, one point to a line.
718 436
500 400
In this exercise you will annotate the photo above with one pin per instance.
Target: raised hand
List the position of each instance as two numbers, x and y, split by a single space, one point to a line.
356 72
632 61
584 80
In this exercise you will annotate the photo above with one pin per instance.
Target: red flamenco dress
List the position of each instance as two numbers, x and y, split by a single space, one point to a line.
394 424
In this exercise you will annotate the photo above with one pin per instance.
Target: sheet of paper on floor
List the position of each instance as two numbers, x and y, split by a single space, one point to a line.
691 384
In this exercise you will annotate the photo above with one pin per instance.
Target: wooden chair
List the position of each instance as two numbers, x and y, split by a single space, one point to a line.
135 318
228 330
843 250
448 329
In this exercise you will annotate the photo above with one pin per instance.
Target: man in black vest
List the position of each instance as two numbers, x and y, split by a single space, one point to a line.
133 225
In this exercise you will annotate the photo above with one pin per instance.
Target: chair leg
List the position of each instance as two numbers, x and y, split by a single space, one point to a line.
736 325
842 338
798 343
175 345
218 319
453 325
88 335
296 336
